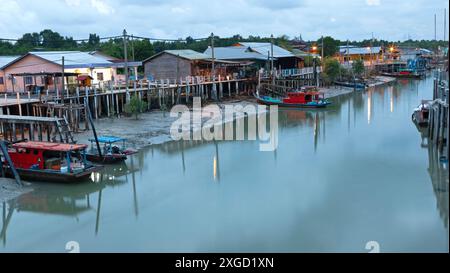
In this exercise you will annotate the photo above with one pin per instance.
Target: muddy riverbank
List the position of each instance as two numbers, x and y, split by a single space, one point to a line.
152 128
10 190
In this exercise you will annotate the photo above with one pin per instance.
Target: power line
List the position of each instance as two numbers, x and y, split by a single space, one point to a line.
65 39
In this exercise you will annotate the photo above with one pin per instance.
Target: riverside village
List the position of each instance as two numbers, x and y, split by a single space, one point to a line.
271 143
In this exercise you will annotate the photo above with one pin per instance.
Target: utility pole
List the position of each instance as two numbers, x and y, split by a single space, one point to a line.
435 27
63 83
348 53
445 23
125 54
322 48
271 60
213 68
371 51
132 48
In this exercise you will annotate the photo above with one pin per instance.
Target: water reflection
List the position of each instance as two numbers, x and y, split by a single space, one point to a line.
336 177
440 179
438 172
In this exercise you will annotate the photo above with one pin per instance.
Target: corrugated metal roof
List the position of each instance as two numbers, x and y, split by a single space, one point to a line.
360 50
235 53
301 53
74 59
4 60
250 50
263 48
188 54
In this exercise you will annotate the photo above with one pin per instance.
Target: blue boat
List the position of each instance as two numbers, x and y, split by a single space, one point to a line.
354 85
111 152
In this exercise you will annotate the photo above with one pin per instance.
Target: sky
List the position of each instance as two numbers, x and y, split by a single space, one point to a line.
173 19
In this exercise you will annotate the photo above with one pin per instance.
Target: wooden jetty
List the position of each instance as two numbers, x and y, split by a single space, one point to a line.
110 100
439 115
14 127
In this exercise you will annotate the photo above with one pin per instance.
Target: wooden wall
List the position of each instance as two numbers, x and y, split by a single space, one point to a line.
164 67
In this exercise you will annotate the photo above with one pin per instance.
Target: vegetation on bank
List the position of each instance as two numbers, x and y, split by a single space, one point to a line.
135 106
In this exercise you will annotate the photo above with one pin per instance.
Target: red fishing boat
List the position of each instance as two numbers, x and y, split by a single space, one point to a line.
308 99
50 162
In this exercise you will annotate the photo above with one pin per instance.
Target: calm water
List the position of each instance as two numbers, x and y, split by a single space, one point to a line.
341 177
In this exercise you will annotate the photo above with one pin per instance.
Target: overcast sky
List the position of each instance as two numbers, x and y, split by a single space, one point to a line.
344 19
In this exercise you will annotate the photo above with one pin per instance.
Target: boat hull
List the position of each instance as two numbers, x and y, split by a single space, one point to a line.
53 177
351 85
106 159
403 76
291 105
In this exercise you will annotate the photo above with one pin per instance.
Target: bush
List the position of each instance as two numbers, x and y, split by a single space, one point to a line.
135 106
331 70
358 68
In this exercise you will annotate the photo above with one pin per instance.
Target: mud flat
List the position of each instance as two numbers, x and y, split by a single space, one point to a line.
10 190
153 127
150 128
334 91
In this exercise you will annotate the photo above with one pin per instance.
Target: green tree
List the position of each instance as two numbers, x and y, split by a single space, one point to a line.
94 40
330 46
135 106
358 67
331 70
51 39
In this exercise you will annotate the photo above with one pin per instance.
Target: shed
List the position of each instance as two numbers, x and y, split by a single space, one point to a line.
179 64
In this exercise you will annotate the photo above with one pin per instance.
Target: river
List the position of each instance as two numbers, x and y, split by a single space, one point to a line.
341 177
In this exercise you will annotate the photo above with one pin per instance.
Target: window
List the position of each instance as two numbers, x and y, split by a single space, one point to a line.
1 81
100 76
28 80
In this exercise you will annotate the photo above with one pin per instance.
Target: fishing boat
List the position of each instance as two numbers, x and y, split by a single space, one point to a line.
404 73
50 162
111 152
354 84
309 99
421 114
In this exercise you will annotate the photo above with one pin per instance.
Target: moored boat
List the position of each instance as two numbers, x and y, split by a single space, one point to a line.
111 152
420 115
355 84
309 99
405 73
50 162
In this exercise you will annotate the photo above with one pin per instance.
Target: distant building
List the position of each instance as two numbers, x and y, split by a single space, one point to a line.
43 70
258 54
299 44
412 53
417 59
367 54
179 64
4 60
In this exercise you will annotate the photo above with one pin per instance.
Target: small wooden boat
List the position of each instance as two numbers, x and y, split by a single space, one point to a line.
354 85
111 153
309 99
421 114
50 162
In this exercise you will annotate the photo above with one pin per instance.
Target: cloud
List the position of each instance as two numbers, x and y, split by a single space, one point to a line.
373 2
175 19
102 7
73 3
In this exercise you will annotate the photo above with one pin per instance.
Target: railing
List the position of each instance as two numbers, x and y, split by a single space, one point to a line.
291 72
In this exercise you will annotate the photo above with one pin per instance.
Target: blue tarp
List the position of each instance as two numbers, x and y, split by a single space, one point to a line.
108 139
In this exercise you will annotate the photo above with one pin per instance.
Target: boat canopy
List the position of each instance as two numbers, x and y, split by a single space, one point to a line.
50 146
108 139
311 93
